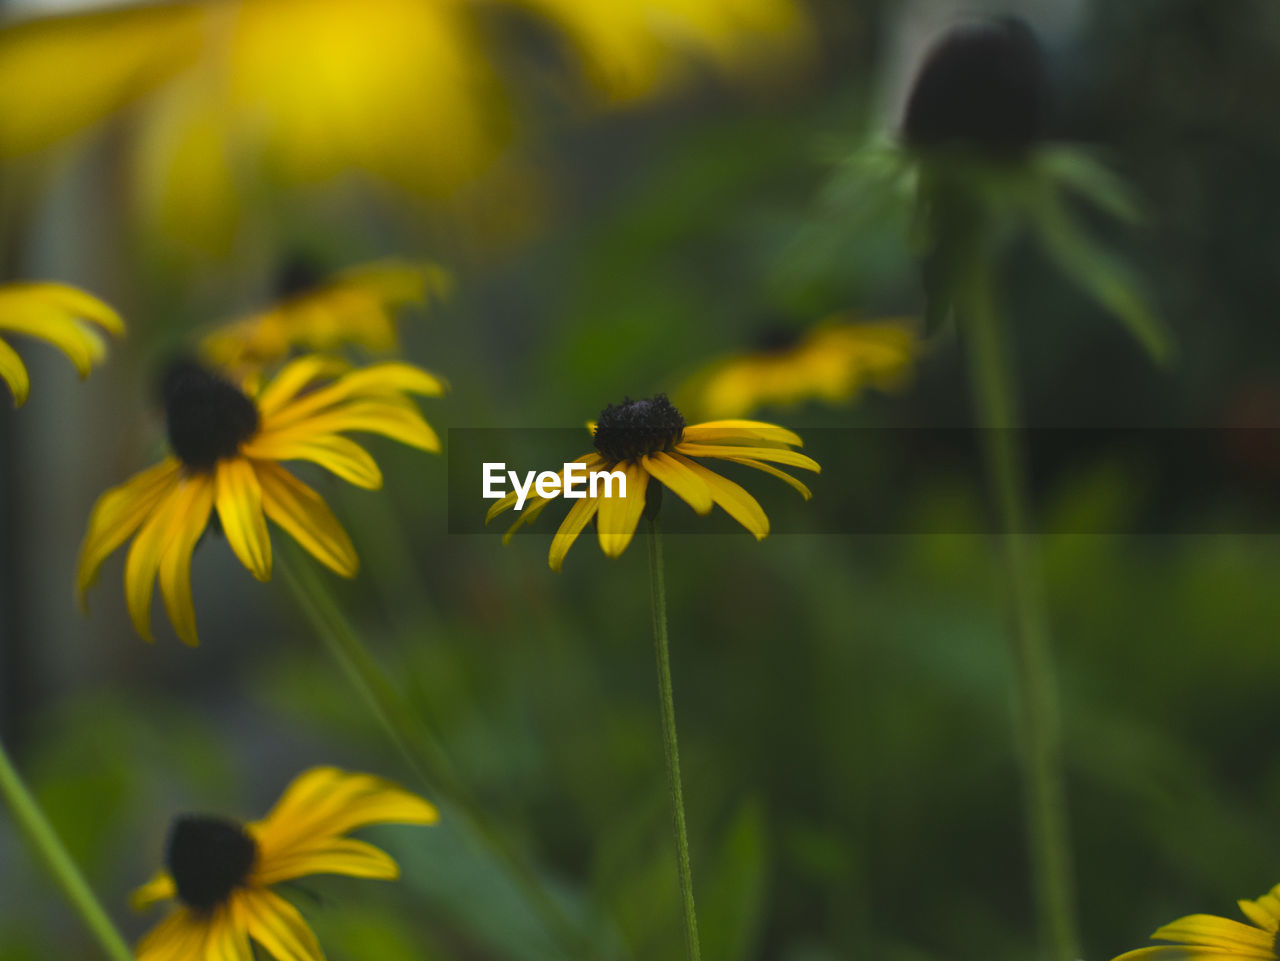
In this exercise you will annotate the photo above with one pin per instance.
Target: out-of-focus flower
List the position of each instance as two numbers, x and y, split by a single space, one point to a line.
357 306
646 439
246 96
227 449
831 362
1206 937
63 316
221 872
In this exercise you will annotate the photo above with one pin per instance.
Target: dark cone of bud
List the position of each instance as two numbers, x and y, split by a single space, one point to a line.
208 417
298 275
635 427
776 339
983 84
208 858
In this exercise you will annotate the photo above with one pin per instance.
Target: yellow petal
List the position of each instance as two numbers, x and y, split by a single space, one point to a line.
76 303
770 469
742 432
13 373
226 938
190 520
144 559
159 888
1265 912
306 518
293 377
680 479
179 937
1207 930
82 344
619 516
239 500
737 503
377 381
276 924
593 461
345 856
118 513
789 457
343 457
390 419
1181 952
578 517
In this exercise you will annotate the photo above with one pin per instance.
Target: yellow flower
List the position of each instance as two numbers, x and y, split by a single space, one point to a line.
1206 937
833 362
64 316
221 872
646 439
227 448
355 307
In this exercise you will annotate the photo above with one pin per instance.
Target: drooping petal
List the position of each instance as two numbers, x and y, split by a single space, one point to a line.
619 516
81 343
159 888
346 856
276 924
1210 931
118 513
328 802
13 373
239 501
578 517
143 562
770 469
179 937
593 461
337 454
306 518
190 521
752 432
225 939
295 376
390 418
378 380
1184 952
737 503
79 304
788 457
680 479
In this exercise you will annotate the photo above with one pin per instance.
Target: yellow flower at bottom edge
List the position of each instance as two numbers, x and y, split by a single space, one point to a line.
227 448
67 318
221 872
647 439
1206 937
356 306
832 362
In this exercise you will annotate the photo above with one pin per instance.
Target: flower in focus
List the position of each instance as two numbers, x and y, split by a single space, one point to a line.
65 317
221 872
227 448
355 307
832 362
1209 938
648 439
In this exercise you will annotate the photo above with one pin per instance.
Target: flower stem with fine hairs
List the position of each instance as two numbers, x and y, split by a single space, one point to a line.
1035 693
45 841
658 585
419 746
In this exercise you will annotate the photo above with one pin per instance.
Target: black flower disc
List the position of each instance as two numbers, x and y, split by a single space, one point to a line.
208 416
626 431
208 858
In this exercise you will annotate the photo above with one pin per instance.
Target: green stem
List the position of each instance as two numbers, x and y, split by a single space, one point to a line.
658 585
1035 693
45 840
420 748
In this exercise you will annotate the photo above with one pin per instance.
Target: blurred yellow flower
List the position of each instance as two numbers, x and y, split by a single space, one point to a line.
227 449
646 439
221 872
355 307
832 362
65 317
1209 938
245 97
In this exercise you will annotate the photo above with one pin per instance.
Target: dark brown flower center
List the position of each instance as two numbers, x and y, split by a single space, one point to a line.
208 858
208 416
635 427
984 85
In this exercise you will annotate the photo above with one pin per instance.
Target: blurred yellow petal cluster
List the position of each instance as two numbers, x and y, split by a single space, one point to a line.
833 363
357 306
247 97
67 318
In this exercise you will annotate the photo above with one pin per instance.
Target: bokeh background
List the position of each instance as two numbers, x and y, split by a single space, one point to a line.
850 766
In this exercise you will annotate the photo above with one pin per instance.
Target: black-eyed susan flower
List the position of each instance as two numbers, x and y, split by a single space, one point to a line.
228 449
69 319
357 306
832 362
648 440
1206 937
221 873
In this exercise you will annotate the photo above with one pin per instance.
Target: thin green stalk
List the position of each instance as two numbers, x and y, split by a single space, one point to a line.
420 748
45 841
658 585
1035 693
